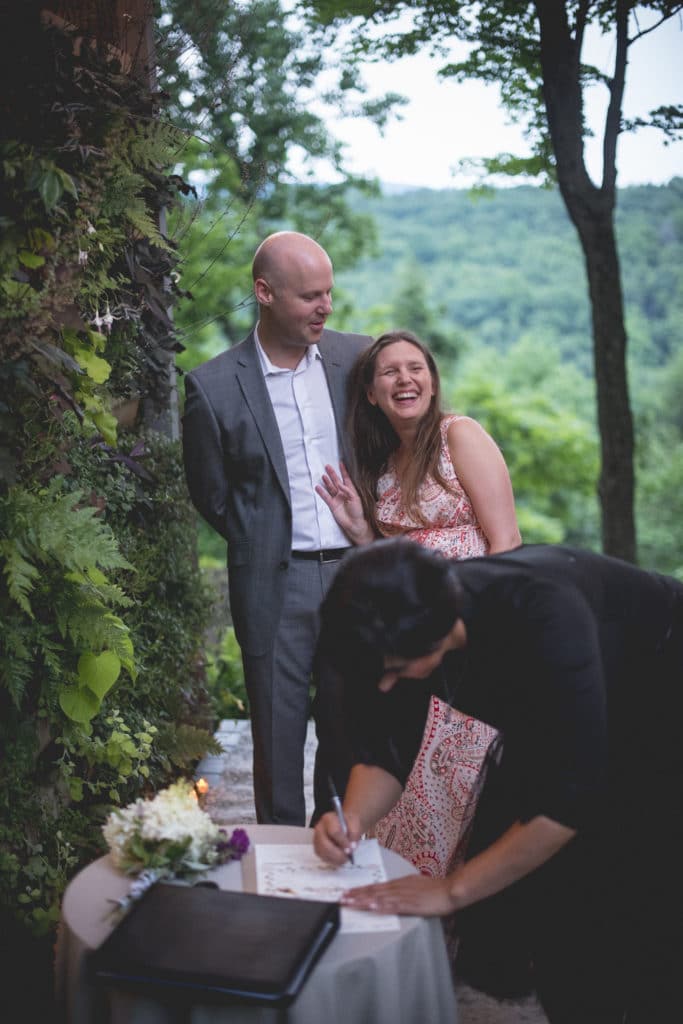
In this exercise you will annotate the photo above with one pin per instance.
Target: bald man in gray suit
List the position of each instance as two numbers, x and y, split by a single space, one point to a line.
261 422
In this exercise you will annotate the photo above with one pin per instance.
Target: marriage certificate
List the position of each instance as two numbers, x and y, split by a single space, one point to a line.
295 870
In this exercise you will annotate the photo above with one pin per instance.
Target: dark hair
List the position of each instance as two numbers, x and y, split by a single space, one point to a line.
374 439
391 597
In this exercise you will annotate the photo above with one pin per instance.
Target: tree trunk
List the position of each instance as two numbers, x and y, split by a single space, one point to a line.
592 212
616 486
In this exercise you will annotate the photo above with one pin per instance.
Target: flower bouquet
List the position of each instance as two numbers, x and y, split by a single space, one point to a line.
169 836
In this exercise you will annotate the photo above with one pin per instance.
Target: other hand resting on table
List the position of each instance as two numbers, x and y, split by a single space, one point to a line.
371 793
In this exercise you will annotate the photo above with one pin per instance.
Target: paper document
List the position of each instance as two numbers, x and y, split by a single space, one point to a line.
294 869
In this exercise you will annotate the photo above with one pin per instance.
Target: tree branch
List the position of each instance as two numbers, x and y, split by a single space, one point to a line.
653 28
616 90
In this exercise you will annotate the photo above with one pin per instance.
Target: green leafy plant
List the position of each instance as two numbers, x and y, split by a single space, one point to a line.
57 602
123 752
225 678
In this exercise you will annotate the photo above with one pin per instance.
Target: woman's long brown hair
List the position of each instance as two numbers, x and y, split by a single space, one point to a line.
374 439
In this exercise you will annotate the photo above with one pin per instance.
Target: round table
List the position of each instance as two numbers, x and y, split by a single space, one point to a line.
393 977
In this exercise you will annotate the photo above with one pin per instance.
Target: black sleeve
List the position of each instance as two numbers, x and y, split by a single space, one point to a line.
386 729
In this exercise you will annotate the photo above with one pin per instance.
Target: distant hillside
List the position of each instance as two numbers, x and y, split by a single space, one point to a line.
499 266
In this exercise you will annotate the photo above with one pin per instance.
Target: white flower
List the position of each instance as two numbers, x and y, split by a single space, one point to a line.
97 320
108 319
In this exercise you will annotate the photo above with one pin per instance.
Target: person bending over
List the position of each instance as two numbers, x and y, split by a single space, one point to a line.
577 659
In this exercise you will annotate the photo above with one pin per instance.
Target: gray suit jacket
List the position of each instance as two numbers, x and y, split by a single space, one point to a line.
237 474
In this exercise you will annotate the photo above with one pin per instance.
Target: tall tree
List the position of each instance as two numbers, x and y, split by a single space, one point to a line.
533 51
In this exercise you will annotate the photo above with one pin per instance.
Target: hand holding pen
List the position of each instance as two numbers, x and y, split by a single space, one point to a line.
336 803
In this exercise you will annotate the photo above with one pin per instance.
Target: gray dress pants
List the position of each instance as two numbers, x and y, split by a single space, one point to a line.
279 685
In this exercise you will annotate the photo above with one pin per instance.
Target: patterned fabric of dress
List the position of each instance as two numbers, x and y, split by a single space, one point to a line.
430 825
452 525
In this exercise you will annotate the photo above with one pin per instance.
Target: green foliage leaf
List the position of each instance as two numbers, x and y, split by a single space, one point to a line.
39 238
79 704
50 187
30 259
225 677
99 672
107 426
67 182
97 369
99 340
76 789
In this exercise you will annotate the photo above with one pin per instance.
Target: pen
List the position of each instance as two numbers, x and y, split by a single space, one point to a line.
336 803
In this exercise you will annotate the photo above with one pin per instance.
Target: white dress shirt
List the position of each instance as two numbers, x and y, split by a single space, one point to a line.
305 417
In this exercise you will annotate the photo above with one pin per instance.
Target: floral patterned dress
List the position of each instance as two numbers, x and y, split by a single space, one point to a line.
453 527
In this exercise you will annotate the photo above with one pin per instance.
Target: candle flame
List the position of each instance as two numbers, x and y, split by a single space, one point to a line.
202 787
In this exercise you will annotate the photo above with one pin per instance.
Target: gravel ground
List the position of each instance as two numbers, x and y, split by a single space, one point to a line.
229 801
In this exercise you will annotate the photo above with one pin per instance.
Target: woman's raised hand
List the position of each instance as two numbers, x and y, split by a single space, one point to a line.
343 500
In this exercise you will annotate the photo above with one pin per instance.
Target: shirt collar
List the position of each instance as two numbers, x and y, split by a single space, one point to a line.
312 352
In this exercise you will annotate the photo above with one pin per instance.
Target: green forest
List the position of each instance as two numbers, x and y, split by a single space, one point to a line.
494 281
495 267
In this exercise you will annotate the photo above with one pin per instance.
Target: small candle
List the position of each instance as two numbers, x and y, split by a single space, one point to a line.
201 788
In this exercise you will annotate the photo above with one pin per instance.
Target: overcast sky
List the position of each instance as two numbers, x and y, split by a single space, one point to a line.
445 122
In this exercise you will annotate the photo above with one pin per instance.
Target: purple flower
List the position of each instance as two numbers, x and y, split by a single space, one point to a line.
233 848
239 840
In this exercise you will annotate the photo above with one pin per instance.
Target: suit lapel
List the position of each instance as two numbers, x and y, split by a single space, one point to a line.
337 375
253 385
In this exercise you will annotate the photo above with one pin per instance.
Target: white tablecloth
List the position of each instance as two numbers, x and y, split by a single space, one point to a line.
398 977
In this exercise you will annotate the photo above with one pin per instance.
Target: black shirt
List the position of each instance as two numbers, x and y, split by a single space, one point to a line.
566 651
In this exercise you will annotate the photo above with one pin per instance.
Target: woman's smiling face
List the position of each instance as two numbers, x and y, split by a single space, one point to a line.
402 386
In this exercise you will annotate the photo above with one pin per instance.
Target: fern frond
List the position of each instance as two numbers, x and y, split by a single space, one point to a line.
99 591
20 573
15 675
186 744
119 641
53 657
75 537
140 217
48 527
149 146
16 661
90 625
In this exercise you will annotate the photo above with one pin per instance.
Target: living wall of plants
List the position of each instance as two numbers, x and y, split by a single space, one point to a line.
102 607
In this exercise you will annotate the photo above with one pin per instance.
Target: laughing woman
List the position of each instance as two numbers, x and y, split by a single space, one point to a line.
437 478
